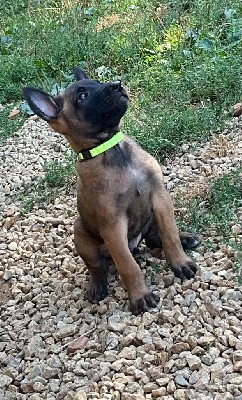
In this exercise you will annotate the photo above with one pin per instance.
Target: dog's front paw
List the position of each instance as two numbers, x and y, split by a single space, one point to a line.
185 269
142 304
189 241
96 292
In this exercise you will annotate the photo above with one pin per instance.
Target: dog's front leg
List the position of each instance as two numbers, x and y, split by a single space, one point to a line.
116 240
182 266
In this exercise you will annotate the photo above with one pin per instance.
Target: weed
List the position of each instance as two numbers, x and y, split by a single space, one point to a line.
155 267
9 126
59 176
217 210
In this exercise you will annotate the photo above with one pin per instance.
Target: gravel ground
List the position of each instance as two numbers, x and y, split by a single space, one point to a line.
189 347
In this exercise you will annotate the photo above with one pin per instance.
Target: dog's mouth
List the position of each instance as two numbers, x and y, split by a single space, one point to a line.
124 93
116 102
122 102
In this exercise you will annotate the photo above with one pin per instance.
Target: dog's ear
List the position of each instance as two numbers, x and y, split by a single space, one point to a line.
41 103
79 74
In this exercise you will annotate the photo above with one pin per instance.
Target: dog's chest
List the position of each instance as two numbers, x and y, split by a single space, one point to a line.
140 181
116 192
133 192
138 203
137 178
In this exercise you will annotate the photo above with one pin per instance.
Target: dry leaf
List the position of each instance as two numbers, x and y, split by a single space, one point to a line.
9 222
77 344
14 113
1 274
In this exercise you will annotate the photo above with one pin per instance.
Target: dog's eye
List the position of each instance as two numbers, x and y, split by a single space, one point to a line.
82 96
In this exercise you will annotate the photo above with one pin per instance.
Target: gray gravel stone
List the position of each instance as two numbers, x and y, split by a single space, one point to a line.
180 380
115 325
189 299
4 381
158 392
179 347
180 394
194 361
65 331
12 246
207 359
193 378
129 353
191 344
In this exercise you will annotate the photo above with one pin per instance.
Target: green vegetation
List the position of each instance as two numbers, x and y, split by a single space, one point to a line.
181 59
59 176
217 208
8 126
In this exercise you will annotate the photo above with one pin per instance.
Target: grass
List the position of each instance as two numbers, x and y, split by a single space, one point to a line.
180 59
216 210
8 126
59 177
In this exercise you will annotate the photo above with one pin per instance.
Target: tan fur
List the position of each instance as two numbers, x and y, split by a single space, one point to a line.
117 205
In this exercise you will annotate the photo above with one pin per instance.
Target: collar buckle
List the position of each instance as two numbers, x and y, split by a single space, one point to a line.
86 155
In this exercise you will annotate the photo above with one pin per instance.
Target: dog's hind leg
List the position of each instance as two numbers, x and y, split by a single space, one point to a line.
153 240
88 248
116 241
182 266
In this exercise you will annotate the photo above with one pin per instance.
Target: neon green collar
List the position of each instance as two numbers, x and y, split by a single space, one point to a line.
101 148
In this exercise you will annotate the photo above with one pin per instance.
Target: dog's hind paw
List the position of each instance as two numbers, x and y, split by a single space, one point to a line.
143 304
189 241
184 270
96 293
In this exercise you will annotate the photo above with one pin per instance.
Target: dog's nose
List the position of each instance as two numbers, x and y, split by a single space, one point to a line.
116 85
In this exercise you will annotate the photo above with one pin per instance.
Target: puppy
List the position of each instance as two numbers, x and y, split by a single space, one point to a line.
121 196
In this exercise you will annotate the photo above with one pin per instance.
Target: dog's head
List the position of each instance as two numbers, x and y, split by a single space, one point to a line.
86 112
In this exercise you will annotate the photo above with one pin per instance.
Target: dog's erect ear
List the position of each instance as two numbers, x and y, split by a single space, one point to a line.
79 74
41 103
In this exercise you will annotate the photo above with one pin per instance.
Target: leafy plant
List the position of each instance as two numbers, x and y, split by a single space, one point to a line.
59 176
181 69
7 125
217 209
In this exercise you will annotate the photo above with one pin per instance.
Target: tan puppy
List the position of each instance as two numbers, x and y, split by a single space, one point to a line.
121 197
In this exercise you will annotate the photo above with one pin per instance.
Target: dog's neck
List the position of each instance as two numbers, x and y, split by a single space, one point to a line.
91 152
80 142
